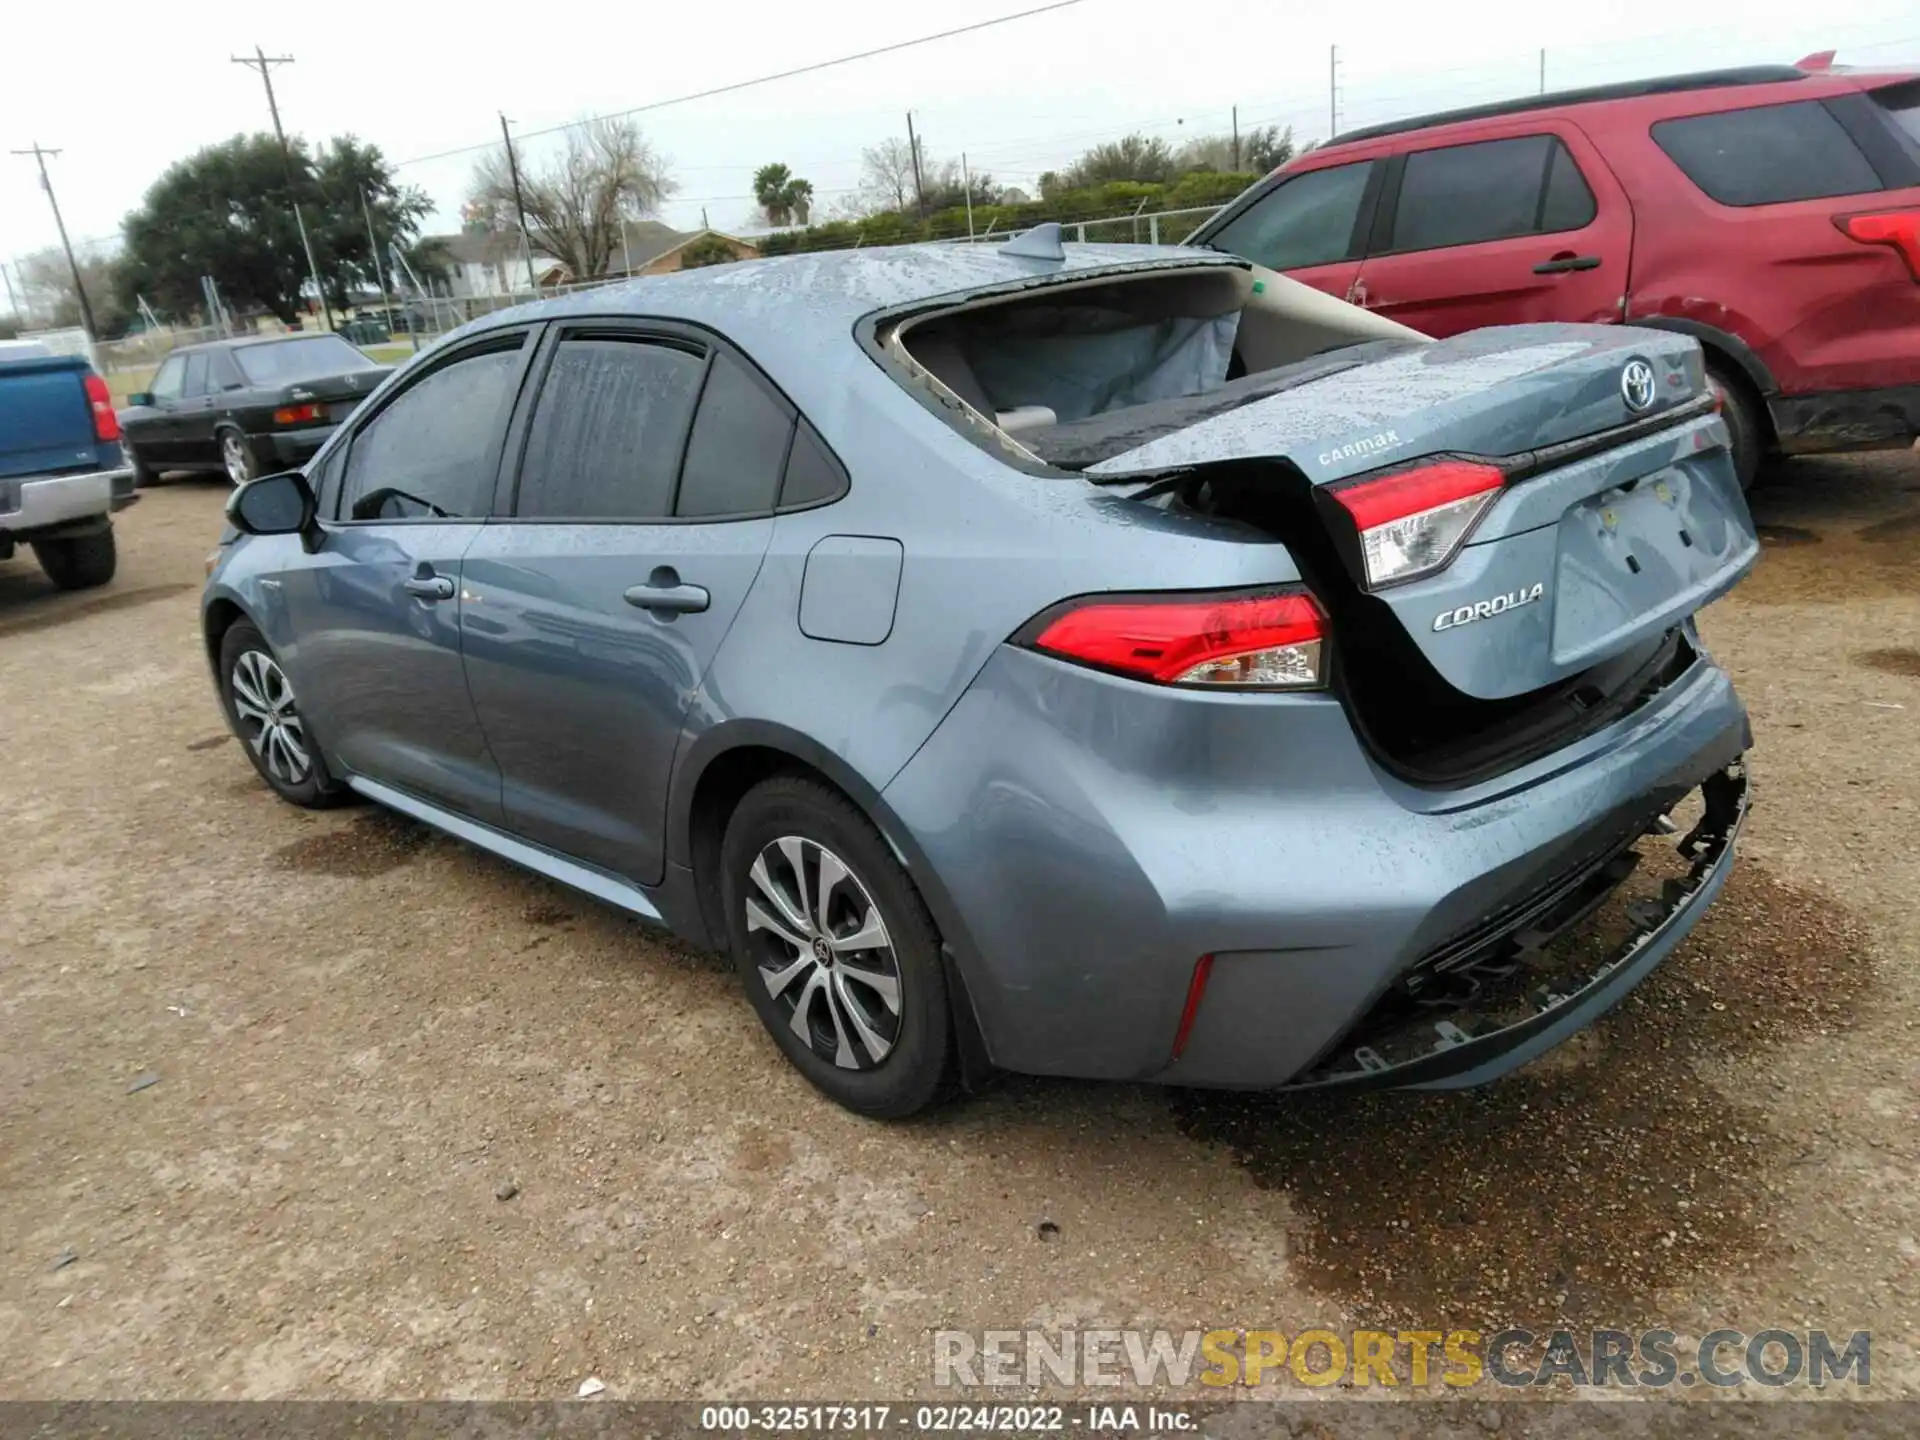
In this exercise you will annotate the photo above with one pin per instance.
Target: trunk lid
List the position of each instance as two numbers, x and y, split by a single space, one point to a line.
1617 522
341 394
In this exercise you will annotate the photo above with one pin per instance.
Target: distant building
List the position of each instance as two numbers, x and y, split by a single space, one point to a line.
488 263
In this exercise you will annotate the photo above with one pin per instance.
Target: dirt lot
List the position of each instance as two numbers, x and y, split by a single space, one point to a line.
364 1035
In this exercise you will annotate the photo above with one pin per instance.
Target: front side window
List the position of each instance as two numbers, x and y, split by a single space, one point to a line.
1767 155
173 374
1309 219
1491 190
196 381
432 452
608 430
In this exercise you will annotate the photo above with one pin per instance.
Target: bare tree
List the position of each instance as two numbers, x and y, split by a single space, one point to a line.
886 174
577 203
47 296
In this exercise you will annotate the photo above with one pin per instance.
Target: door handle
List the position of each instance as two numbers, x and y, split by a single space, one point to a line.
428 587
1562 263
671 599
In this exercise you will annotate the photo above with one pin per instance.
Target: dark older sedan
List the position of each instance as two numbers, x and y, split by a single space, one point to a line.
245 407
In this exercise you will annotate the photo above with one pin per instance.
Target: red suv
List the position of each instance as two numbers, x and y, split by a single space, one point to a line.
1771 212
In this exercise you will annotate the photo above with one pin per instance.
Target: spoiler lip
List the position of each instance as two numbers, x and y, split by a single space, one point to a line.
1450 1057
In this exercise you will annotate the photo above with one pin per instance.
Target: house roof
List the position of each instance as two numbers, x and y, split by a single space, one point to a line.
646 241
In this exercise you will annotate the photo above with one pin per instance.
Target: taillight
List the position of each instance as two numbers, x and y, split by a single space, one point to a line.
1898 228
106 424
1267 641
1414 522
299 414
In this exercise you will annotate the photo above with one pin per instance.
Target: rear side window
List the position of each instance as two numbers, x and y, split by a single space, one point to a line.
813 475
1767 155
738 446
166 385
608 430
1492 190
432 453
1309 219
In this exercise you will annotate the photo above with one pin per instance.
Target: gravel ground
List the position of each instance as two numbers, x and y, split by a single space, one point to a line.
327 1105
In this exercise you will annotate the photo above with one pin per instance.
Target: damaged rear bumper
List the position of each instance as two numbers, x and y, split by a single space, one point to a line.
1455 1047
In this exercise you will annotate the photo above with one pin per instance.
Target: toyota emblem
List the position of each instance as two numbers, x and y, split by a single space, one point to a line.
1637 385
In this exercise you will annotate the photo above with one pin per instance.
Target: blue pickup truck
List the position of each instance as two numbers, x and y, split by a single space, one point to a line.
62 471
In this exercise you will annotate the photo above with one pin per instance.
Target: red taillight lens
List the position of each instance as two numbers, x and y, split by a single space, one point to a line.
299 414
1196 989
1259 642
1898 228
1412 523
106 424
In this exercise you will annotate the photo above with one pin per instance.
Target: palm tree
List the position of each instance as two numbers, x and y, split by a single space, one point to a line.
782 195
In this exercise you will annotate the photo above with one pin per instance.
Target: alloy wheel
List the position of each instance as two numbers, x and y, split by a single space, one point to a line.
822 950
263 704
233 453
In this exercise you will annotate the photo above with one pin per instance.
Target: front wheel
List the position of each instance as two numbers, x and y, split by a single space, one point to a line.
236 457
264 712
835 947
78 562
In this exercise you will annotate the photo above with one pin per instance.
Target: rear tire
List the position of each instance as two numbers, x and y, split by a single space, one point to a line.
237 458
264 713
78 562
142 476
1740 410
800 853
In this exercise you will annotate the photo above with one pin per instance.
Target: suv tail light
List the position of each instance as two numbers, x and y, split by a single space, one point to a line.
1414 522
1270 640
1898 228
106 424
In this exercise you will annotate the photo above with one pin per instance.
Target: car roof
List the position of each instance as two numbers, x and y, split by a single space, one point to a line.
1586 95
248 342
794 314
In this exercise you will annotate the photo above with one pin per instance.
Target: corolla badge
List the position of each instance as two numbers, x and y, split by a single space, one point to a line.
1637 385
1485 609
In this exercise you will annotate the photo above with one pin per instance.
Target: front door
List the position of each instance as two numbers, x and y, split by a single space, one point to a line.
377 607
150 428
1500 232
592 614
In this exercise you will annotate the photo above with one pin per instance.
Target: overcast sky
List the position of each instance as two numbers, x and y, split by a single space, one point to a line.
140 85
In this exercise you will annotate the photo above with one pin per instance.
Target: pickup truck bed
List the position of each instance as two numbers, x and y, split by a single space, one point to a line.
62 470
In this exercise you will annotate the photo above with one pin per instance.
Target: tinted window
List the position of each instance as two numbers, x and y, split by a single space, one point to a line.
285 361
1495 190
431 452
1767 155
166 385
813 475
606 436
196 381
1902 106
1309 220
738 447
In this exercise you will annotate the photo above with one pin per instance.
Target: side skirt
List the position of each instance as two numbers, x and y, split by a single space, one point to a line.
622 894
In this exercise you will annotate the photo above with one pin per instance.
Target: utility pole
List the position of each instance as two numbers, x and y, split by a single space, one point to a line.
966 179
1236 139
919 185
264 63
86 310
520 205
373 244
1543 69
1333 91
13 304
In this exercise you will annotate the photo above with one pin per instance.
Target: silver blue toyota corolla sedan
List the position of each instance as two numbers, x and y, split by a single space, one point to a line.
1099 661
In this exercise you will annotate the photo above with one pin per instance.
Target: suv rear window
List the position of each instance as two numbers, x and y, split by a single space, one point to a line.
1492 190
1767 155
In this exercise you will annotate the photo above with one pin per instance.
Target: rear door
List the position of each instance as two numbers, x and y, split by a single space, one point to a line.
193 417
650 470
1312 225
1505 231
376 609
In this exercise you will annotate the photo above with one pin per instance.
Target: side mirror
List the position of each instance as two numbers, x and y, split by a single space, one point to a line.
273 505
140 397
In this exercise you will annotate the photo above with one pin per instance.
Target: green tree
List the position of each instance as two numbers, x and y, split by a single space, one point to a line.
782 195
707 250
345 169
224 211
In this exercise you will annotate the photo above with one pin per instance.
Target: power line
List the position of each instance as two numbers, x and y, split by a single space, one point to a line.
760 80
